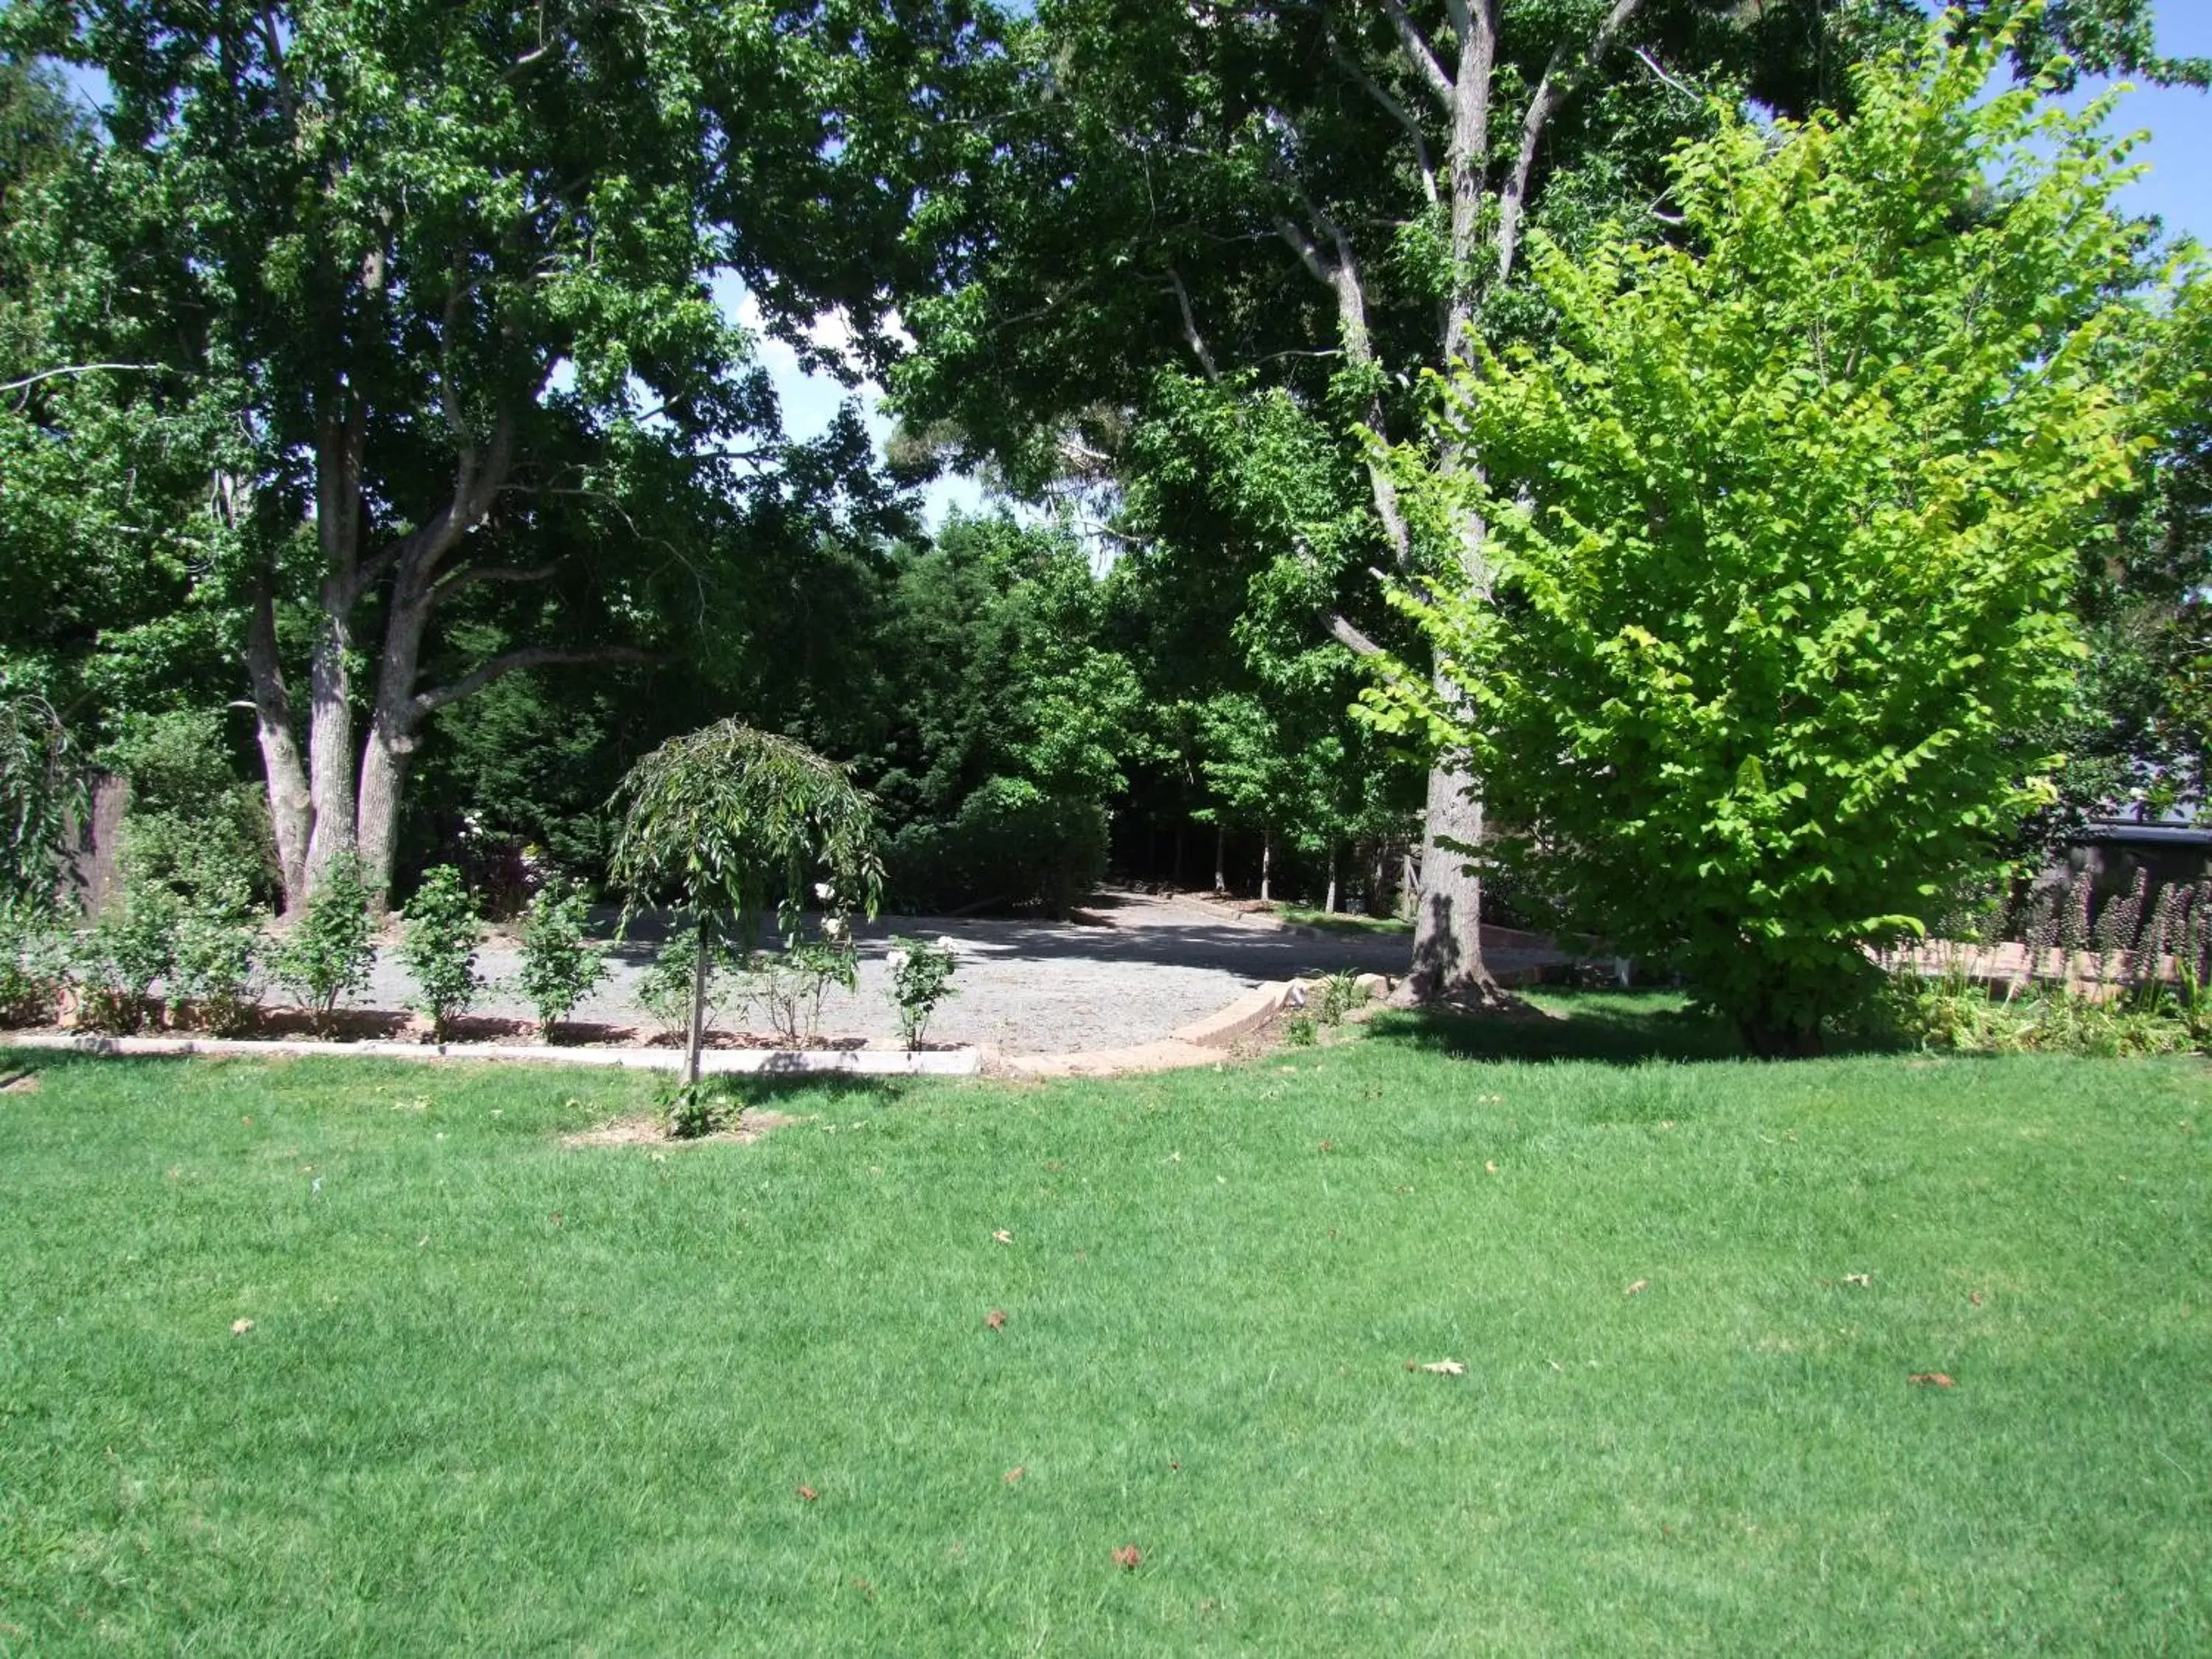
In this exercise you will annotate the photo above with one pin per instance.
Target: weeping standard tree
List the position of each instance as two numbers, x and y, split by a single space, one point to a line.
726 822
1783 524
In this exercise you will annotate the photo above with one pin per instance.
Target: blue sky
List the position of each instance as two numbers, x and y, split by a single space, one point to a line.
2179 186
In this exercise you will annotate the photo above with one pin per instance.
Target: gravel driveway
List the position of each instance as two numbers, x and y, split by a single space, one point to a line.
1144 966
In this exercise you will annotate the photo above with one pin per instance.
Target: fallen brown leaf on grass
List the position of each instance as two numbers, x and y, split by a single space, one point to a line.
239 1327
1445 1368
1015 1474
1128 1558
1637 1288
1862 1280
996 1319
1931 1379
1491 1168
1002 1236
1974 1297
808 1493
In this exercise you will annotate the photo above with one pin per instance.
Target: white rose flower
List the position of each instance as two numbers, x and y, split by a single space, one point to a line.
834 927
825 891
897 960
944 943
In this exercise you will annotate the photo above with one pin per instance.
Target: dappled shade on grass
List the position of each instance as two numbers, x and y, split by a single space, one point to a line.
501 1395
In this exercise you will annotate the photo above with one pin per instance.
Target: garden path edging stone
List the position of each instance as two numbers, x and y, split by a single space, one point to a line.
865 1062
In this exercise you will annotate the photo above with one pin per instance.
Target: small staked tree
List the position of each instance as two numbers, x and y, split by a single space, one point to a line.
1783 524
726 823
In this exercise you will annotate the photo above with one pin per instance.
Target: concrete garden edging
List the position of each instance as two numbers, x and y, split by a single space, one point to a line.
862 1062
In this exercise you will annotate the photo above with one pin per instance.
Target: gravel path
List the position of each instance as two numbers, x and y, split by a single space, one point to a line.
1145 966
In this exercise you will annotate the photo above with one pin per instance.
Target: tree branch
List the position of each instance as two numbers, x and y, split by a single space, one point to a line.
1396 110
1430 72
470 576
29 380
429 702
1562 76
1190 334
1351 637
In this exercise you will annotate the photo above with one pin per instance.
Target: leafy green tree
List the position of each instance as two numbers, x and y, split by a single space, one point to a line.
727 822
1784 523
1328 199
450 263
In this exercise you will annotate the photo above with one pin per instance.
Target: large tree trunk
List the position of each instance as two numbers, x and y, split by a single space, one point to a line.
290 814
1329 904
1446 967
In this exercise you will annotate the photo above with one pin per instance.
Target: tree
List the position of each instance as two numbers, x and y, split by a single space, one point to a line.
1784 524
728 822
451 261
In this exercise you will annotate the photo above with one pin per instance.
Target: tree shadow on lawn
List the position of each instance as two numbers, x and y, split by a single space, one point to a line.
1613 1028
1600 1027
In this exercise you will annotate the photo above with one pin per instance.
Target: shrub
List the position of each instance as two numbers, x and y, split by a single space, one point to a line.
664 989
331 950
193 824
118 961
32 968
789 984
921 977
1010 844
560 965
216 980
438 948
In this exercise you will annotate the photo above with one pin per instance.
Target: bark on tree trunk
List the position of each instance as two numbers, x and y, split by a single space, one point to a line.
329 748
696 1037
1329 904
289 812
1447 964
1266 863
1220 858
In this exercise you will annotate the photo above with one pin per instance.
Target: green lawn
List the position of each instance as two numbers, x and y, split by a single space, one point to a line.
1342 922
504 1397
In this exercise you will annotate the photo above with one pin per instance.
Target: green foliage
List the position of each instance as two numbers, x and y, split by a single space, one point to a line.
216 975
193 824
115 963
330 951
920 978
727 822
561 966
1010 845
438 945
1783 529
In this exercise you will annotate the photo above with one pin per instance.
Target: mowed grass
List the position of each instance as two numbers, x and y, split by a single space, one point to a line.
504 1397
